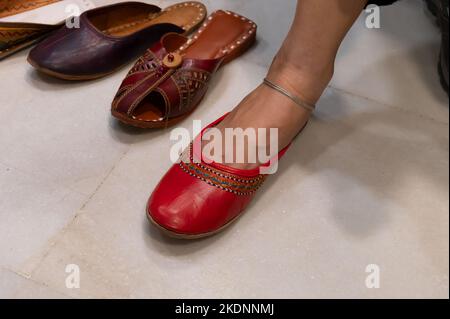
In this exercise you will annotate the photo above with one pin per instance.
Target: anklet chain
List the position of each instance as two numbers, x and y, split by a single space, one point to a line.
294 98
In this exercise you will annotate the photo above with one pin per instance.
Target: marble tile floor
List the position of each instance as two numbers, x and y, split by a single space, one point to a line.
366 183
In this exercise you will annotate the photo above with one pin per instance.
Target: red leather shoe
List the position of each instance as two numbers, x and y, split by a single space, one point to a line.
195 199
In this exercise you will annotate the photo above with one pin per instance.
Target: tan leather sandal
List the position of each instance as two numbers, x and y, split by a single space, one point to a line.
17 36
12 7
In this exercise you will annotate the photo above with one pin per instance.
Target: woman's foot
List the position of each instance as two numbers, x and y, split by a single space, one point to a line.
303 67
267 108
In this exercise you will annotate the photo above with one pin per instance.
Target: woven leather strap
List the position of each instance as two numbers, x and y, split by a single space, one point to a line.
181 87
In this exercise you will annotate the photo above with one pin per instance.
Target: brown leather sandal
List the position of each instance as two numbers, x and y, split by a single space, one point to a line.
12 7
169 81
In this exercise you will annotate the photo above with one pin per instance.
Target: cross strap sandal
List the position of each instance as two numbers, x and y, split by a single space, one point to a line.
169 81
199 198
12 7
110 37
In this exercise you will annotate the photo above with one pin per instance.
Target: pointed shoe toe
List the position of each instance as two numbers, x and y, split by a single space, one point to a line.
187 207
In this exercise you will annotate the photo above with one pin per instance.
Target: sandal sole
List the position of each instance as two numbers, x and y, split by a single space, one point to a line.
176 235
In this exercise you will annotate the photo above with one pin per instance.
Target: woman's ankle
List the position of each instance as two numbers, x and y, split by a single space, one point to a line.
306 80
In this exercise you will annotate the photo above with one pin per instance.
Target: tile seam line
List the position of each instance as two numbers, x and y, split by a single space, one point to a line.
102 182
27 278
56 238
399 108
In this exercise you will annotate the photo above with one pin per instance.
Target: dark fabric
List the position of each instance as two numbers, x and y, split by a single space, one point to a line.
381 2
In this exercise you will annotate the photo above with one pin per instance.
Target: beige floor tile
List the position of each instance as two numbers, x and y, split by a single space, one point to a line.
32 211
14 286
56 130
